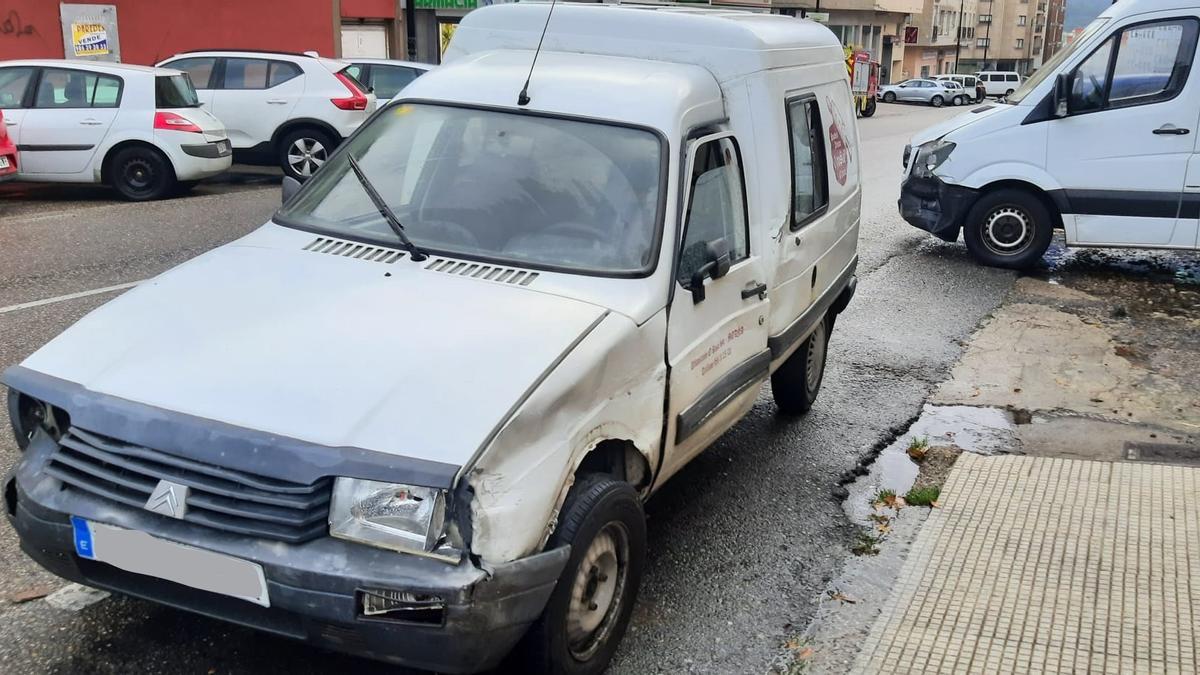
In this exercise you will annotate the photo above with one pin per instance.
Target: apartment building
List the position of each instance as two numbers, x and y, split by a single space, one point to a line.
876 26
937 36
1014 35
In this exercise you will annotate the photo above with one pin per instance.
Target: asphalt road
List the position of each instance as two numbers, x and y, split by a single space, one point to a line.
741 540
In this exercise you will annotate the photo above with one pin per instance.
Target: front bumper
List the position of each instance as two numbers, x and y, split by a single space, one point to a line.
935 206
313 587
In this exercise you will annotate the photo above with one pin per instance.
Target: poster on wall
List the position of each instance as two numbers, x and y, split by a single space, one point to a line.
90 32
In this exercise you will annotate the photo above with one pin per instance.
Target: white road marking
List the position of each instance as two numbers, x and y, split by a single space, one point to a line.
74 597
68 296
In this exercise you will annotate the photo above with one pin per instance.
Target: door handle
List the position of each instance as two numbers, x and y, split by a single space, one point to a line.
91 122
753 289
277 101
1171 130
10 123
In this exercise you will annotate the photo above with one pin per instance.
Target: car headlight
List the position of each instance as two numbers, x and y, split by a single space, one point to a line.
932 155
389 515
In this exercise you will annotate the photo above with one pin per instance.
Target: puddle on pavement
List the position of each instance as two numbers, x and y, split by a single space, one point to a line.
985 431
1141 282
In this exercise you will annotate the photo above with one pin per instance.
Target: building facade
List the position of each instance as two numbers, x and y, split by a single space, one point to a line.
938 36
876 26
1014 35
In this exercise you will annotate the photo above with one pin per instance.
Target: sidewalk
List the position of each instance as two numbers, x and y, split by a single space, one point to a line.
1049 565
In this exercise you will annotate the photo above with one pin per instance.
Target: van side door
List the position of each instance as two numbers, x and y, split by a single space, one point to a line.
1123 149
717 330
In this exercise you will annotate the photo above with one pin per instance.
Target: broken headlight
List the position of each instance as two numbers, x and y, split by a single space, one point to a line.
29 415
389 515
930 156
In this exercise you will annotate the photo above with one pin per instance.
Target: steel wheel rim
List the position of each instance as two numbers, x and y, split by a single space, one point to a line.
815 363
138 174
1007 230
597 591
306 155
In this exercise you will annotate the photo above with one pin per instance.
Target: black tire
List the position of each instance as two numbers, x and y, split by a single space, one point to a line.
959 100
937 101
303 151
1008 228
141 174
797 382
597 506
889 97
1009 93
869 108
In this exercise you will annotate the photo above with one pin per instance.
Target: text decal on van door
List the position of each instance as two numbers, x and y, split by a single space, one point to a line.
837 145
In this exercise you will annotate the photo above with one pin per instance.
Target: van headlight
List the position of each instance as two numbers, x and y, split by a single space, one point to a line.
388 515
932 155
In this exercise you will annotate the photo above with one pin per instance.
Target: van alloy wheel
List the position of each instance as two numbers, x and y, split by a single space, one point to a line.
306 155
597 591
1007 230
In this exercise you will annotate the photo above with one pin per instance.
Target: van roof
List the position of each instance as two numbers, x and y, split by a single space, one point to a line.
728 43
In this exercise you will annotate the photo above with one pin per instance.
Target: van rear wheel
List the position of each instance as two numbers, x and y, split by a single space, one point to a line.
578 633
1008 228
797 382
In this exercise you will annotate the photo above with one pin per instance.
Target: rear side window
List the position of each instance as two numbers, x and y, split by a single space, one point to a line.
1012 77
13 84
282 71
717 207
810 189
389 80
1142 64
199 69
61 88
246 73
174 91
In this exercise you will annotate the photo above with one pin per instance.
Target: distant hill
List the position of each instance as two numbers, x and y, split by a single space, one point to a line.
1081 12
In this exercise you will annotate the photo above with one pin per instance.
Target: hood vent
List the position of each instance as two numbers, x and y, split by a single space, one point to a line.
503 275
350 249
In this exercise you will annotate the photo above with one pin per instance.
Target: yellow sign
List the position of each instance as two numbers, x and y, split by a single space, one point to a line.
89 39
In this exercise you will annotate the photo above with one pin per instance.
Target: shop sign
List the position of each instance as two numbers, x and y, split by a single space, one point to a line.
910 35
447 4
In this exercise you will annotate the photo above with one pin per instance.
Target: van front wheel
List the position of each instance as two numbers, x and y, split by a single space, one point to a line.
1008 228
589 610
797 382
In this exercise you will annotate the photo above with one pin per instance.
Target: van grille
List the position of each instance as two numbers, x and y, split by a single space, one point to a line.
504 275
355 250
220 498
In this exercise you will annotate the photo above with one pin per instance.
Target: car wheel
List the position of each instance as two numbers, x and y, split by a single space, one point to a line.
1008 93
869 108
141 174
959 100
797 382
303 151
1008 228
589 610
937 101
889 97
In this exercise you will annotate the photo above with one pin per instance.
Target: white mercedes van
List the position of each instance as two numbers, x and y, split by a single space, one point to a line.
415 415
1099 142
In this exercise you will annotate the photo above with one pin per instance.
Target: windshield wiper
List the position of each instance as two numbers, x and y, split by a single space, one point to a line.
386 211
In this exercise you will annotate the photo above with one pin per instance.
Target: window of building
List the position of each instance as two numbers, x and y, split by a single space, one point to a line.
1020 43
1021 20
810 188
717 207
985 18
982 42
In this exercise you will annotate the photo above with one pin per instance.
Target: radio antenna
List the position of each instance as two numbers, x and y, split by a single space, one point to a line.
523 97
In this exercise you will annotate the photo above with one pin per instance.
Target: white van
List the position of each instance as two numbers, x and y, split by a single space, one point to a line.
1098 143
418 423
999 82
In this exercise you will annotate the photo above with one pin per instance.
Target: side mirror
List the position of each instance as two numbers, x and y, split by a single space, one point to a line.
1062 90
290 187
716 254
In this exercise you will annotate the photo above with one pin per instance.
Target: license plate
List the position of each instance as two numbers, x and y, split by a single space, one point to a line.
142 553
3 162
222 146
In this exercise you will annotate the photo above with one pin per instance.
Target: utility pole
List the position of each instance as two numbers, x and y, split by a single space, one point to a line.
958 38
987 35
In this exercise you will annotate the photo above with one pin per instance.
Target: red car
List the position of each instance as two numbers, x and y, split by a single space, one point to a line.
8 152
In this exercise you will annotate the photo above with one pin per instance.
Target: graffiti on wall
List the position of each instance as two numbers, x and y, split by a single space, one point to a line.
12 26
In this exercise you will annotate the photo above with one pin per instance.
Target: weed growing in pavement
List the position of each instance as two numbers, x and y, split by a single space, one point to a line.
884 496
917 448
926 496
867 544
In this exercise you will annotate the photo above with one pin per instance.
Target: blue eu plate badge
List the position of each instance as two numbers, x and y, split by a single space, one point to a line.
83 538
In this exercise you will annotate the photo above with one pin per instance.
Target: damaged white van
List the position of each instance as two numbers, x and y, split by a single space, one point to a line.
1098 143
415 416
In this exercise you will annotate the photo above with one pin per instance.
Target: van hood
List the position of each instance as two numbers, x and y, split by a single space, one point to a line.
338 351
975 115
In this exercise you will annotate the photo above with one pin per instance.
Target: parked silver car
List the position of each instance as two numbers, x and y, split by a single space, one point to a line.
933 92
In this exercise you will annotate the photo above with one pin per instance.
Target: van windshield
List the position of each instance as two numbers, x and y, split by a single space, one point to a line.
1055 61
523 189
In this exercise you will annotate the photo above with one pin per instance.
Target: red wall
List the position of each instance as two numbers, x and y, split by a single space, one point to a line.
367 9
152 30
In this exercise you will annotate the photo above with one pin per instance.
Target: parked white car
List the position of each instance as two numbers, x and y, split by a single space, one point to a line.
140 130
933 92
285 109
1100 143
999 82
415 416
386 77
970 83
